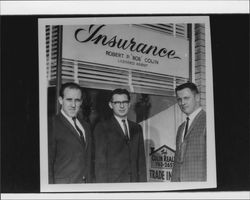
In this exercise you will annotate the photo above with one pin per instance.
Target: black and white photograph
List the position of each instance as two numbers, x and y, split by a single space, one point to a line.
126 100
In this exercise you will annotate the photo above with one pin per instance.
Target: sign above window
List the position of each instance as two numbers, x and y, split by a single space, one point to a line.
127 46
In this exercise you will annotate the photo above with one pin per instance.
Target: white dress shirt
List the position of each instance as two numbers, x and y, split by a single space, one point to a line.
121 124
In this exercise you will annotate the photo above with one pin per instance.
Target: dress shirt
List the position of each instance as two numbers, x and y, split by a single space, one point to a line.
72 123
121 124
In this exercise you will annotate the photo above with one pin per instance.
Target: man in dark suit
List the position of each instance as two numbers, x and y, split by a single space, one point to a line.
69 140
190 163
119 145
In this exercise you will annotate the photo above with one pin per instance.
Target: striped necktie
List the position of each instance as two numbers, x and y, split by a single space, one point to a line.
78 129
125 129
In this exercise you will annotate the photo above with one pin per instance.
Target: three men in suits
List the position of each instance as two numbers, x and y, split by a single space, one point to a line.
69 140
190 156
119 144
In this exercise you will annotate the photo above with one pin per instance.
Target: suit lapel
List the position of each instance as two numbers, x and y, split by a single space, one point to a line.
180 134
195 122
117 126
71 128
84 125
180 145
181 131
131 129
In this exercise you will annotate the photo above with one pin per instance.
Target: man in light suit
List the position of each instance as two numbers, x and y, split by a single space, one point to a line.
119 145
69 140
190 163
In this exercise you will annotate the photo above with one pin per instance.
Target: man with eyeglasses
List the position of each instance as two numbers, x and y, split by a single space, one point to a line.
69 140
119 144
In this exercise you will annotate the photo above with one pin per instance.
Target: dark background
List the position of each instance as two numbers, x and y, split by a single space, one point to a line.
20 167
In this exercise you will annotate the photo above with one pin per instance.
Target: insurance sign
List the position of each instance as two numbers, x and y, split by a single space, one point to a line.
127 46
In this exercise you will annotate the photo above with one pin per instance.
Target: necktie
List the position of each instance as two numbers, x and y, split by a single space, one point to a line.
125 129
186 127
78 129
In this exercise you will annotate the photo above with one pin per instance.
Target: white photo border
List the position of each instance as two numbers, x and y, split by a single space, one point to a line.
124 187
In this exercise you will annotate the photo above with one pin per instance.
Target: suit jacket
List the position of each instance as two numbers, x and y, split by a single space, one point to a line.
190 156
69 156
116 159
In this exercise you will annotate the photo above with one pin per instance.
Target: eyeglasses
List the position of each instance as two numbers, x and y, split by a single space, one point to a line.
120 103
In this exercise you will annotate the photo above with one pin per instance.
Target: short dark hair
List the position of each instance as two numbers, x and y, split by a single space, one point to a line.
70 85
189 85
119 91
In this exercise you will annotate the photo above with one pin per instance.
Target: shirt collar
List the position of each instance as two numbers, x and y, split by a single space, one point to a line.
193 114
120 119
66 116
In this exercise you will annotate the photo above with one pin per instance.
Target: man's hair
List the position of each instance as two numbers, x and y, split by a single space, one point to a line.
119 91
189 85
70 85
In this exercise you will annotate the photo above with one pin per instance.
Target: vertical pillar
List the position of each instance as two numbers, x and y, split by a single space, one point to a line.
58 67
200 62
190 39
